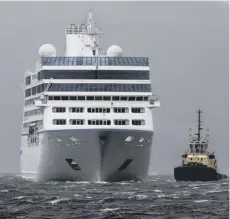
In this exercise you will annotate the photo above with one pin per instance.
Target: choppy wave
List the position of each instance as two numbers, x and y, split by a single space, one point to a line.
159 197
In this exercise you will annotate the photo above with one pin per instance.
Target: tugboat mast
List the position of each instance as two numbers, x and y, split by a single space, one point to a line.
199 125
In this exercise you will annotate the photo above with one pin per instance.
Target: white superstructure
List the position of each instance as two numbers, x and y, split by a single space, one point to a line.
87 116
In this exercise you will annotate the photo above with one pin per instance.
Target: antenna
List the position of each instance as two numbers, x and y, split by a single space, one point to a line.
199 125
91 24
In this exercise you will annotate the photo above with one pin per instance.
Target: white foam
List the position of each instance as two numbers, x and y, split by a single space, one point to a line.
19 197
161 196
138 197
124 193
109 209
200 201
56 201
76 195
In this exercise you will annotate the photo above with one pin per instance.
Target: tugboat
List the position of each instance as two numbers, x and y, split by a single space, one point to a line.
198 164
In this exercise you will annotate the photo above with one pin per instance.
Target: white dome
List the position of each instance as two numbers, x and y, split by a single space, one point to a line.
114 50
47 50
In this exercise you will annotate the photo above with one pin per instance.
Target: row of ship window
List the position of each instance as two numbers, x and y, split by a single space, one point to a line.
39 123
34 112
98 122
94 98
98 110
93 61
93 74
89 110
88 74
74 87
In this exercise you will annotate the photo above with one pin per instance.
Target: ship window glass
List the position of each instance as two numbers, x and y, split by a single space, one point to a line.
58 109
116 98
27 80
121 122
106 98
120 110
99 122
34 112
81 98
124 98
76 109
131 98
139 98
98 110
64 97
98 98
59 122
76 122
138 110
73 98
138 122
101 87
90 97
57 98
27 92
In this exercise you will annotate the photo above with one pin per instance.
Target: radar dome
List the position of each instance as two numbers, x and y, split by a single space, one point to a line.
47 50
114 50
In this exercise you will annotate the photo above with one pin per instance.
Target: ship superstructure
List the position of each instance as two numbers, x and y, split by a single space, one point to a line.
87 115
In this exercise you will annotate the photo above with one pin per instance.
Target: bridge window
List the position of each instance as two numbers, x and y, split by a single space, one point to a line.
138 110
121 122
59 122
92 74
58 109
98 98
76 109
138 122
76 122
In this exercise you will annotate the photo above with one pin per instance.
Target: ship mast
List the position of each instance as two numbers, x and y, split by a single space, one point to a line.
199 125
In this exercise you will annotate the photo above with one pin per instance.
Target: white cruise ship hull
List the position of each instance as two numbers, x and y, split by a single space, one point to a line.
88 155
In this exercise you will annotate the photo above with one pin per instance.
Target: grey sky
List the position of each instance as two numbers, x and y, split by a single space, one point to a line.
187 43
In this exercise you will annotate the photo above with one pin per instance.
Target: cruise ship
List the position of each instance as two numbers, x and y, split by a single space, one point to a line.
88 114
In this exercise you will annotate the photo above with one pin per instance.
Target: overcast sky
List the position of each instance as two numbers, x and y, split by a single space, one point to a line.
187 43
